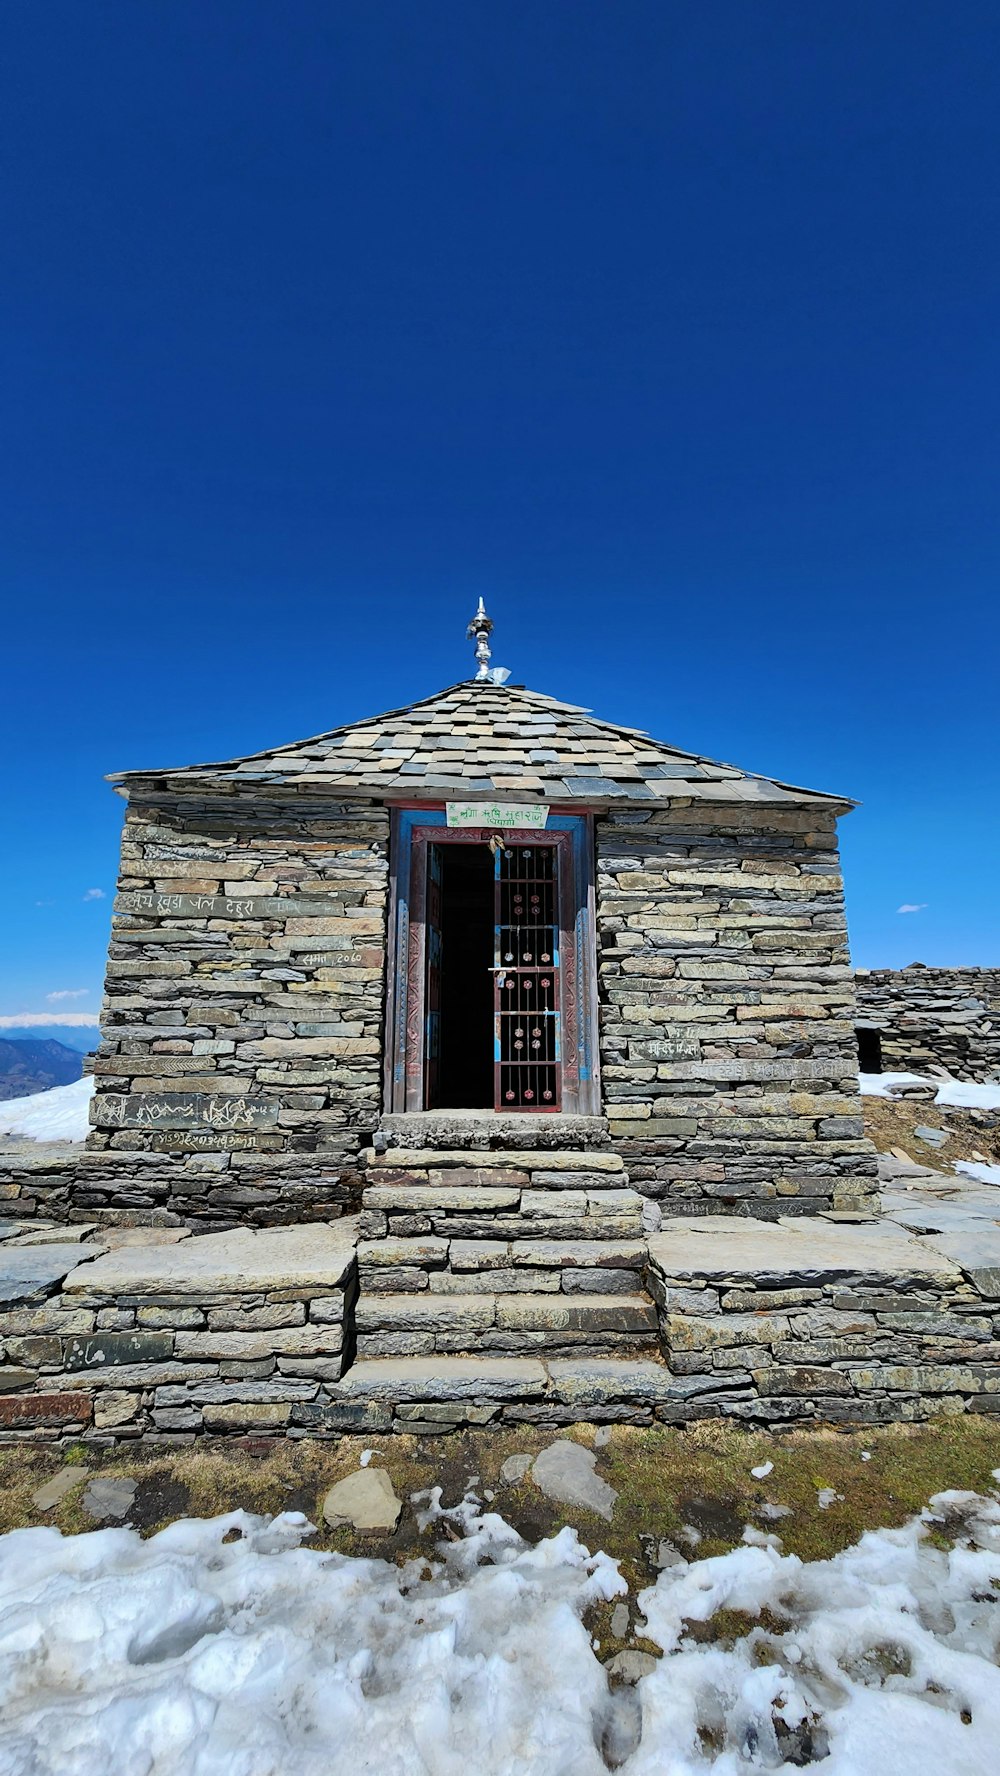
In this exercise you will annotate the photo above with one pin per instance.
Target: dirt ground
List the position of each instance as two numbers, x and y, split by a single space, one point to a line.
973 1135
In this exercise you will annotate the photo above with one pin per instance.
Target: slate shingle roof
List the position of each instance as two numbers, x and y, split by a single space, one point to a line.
491 740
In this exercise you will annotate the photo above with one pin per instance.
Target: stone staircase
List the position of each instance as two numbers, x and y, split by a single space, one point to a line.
501 1253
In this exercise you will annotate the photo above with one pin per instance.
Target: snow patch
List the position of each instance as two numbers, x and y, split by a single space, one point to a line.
225 1648
876 1085
984 1174
56 1115
957 1094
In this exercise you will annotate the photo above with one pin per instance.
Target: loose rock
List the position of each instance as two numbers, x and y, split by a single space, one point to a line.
109 1498
566 1471
55 1490
629 1666
365 1500
515 1468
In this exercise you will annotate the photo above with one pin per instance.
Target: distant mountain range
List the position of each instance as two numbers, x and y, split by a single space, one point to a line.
31 1065
83 1037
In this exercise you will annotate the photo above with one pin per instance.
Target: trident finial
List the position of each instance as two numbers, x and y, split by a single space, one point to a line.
479 631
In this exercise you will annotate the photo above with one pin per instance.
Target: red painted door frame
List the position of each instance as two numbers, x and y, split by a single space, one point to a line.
407 1057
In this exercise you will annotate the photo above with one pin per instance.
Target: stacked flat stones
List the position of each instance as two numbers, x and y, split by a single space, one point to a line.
246 1333
240 1059
794 1322
234 1333
934 1017
729 1062
463 1252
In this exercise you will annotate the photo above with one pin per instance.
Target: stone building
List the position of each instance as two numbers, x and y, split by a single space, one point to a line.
504 1061
485 920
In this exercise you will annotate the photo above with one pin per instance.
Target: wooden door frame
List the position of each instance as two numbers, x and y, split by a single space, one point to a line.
412 830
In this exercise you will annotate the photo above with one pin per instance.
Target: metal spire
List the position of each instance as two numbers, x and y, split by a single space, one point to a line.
479 631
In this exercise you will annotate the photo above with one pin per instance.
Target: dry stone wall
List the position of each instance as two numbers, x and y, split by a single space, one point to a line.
240 1060
235 1333
240 1068
728 1052
838 1325
927 1017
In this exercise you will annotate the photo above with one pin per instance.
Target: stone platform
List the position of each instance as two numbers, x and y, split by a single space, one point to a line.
226 1332
110 1333
855 1325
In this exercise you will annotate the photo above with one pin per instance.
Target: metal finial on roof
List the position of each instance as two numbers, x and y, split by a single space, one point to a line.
479 631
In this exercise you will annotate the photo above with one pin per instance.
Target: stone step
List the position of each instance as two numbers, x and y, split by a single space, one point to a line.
442 1378
419 1325
475 1130
545 1254
537 1159
432 1393
423 1200
610 1266
437 1178
495 1212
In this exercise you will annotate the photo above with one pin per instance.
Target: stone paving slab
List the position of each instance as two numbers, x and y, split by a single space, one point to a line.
26 1271
441 1378
725 1245
975 1247
940 1216
424 1200
265 1259
627 1254
593 1381
422 1250
442 1313
58 1236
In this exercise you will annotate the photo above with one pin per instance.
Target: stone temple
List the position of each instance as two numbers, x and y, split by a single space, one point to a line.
485 921
502 1062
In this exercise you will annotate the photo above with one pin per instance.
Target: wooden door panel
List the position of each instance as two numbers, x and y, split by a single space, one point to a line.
432 1000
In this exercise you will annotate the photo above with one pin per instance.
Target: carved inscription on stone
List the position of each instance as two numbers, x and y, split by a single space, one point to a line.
213 1141
181 1110
151 904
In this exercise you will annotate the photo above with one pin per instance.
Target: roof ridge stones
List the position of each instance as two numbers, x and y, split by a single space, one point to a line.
476 739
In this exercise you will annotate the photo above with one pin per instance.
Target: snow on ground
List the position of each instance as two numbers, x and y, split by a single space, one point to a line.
968 1094
224 1648
876 1085
955 1094
985 1174
56 1115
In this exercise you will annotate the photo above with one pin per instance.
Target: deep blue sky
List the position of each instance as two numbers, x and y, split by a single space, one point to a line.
670 328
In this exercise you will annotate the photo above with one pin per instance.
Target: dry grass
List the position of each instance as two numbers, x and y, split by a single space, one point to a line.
890 1124
665 1478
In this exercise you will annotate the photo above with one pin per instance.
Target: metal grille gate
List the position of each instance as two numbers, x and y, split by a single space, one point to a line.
526 998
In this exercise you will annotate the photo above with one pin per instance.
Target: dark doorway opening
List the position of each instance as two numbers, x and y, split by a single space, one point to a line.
465 1075
869 1050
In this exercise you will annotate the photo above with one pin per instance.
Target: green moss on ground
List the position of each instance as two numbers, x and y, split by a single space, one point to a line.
667 1480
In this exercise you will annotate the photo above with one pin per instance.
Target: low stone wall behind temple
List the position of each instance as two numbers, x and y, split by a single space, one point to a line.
945 1017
